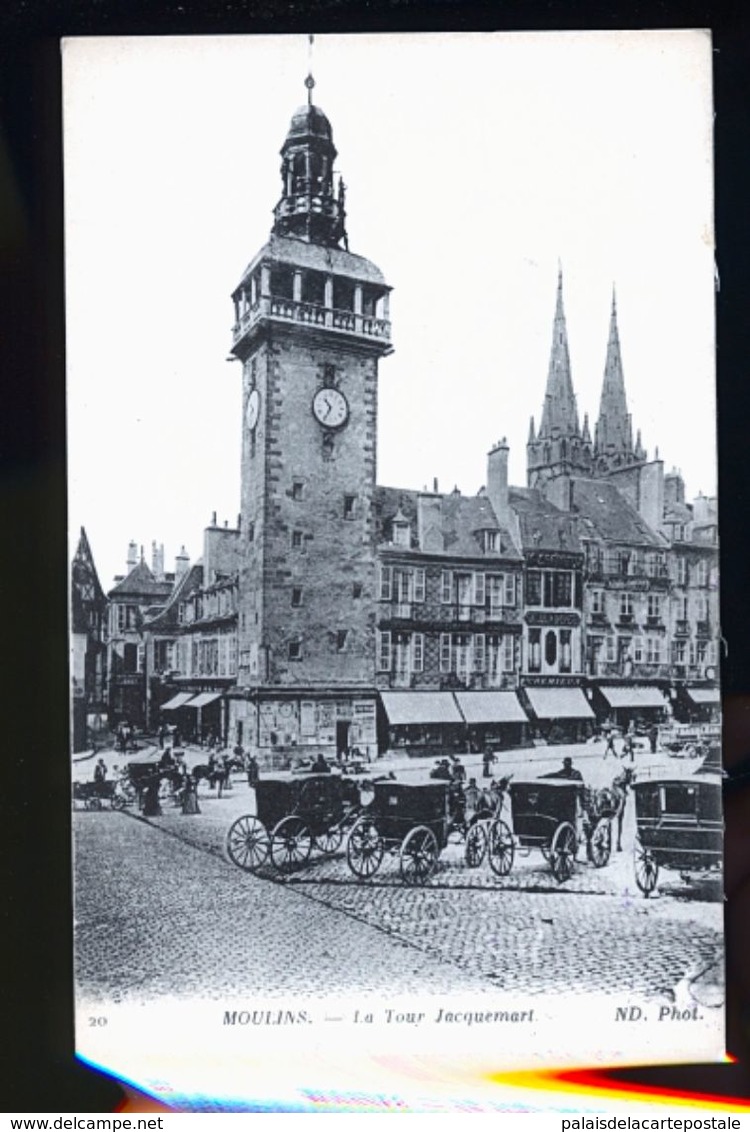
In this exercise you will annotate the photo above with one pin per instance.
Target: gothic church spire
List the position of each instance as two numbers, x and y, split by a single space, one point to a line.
559 413
559 447
613 435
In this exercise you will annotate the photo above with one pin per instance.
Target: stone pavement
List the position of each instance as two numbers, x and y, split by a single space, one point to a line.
157 917
523 932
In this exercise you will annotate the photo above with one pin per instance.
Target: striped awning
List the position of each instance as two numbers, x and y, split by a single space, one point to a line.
491 707
177 701
634 697
203 698
403 708
705 695
559 703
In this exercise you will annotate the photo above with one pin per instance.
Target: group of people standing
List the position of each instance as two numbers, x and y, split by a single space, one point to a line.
628 741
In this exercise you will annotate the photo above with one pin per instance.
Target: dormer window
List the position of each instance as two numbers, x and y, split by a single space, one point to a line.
401 534
492 541
400 530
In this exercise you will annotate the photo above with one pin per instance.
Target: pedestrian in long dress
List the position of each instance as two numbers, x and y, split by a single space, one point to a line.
253 772
190 796
151 804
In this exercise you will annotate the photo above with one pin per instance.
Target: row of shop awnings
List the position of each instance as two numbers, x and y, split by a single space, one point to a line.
640 697
189 699
431 708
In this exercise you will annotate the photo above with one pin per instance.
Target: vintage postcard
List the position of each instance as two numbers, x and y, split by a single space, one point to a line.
394 589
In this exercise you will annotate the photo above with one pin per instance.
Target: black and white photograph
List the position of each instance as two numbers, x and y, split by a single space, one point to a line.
394 630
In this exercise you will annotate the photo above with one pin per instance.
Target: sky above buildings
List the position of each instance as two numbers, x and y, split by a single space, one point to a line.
473 163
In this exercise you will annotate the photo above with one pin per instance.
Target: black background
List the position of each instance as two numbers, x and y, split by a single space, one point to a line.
38 1069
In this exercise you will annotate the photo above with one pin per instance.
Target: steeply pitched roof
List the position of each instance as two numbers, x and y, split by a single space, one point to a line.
140 582
86 589
461 518
606 514
542 525
84 568
167 618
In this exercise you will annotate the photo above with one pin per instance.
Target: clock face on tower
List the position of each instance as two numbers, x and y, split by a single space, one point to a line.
252 410
330 407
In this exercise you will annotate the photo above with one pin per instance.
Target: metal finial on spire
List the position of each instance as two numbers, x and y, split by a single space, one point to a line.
310 81
614 299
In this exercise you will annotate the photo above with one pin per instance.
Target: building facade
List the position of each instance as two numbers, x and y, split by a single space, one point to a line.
340 613
190 646
88 649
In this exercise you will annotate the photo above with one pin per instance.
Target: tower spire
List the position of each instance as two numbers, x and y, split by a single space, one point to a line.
560 413
309 209
613 435
310 81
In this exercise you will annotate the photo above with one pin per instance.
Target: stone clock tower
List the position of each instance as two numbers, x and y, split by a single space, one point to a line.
311 322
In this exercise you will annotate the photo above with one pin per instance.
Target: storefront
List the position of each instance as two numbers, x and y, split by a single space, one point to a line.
493 719
560 715
422 723
703 704
632 704
172 714
282 731
207 721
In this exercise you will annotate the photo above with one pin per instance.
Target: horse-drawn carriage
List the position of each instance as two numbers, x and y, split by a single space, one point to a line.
108 795
412 820
148 774
554 815
293 815
679 824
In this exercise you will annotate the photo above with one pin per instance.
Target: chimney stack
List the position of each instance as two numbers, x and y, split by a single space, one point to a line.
181 564
497 482
213 518
157 561
132 555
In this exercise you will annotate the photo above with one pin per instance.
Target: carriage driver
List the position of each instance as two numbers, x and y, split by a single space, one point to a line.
567 770
583 819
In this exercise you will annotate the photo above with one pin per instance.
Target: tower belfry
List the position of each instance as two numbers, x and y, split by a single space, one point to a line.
558 447
311 207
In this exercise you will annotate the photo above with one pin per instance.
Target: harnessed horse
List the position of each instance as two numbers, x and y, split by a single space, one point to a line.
614 798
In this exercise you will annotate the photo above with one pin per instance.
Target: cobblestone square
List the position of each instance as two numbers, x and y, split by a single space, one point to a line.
161 910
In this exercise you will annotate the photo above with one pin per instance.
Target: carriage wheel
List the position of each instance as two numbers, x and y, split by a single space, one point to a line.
562 853
600 844
364 848
476 845
246 843
646 869
330 840
418 856
117 801
501 849
291 844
